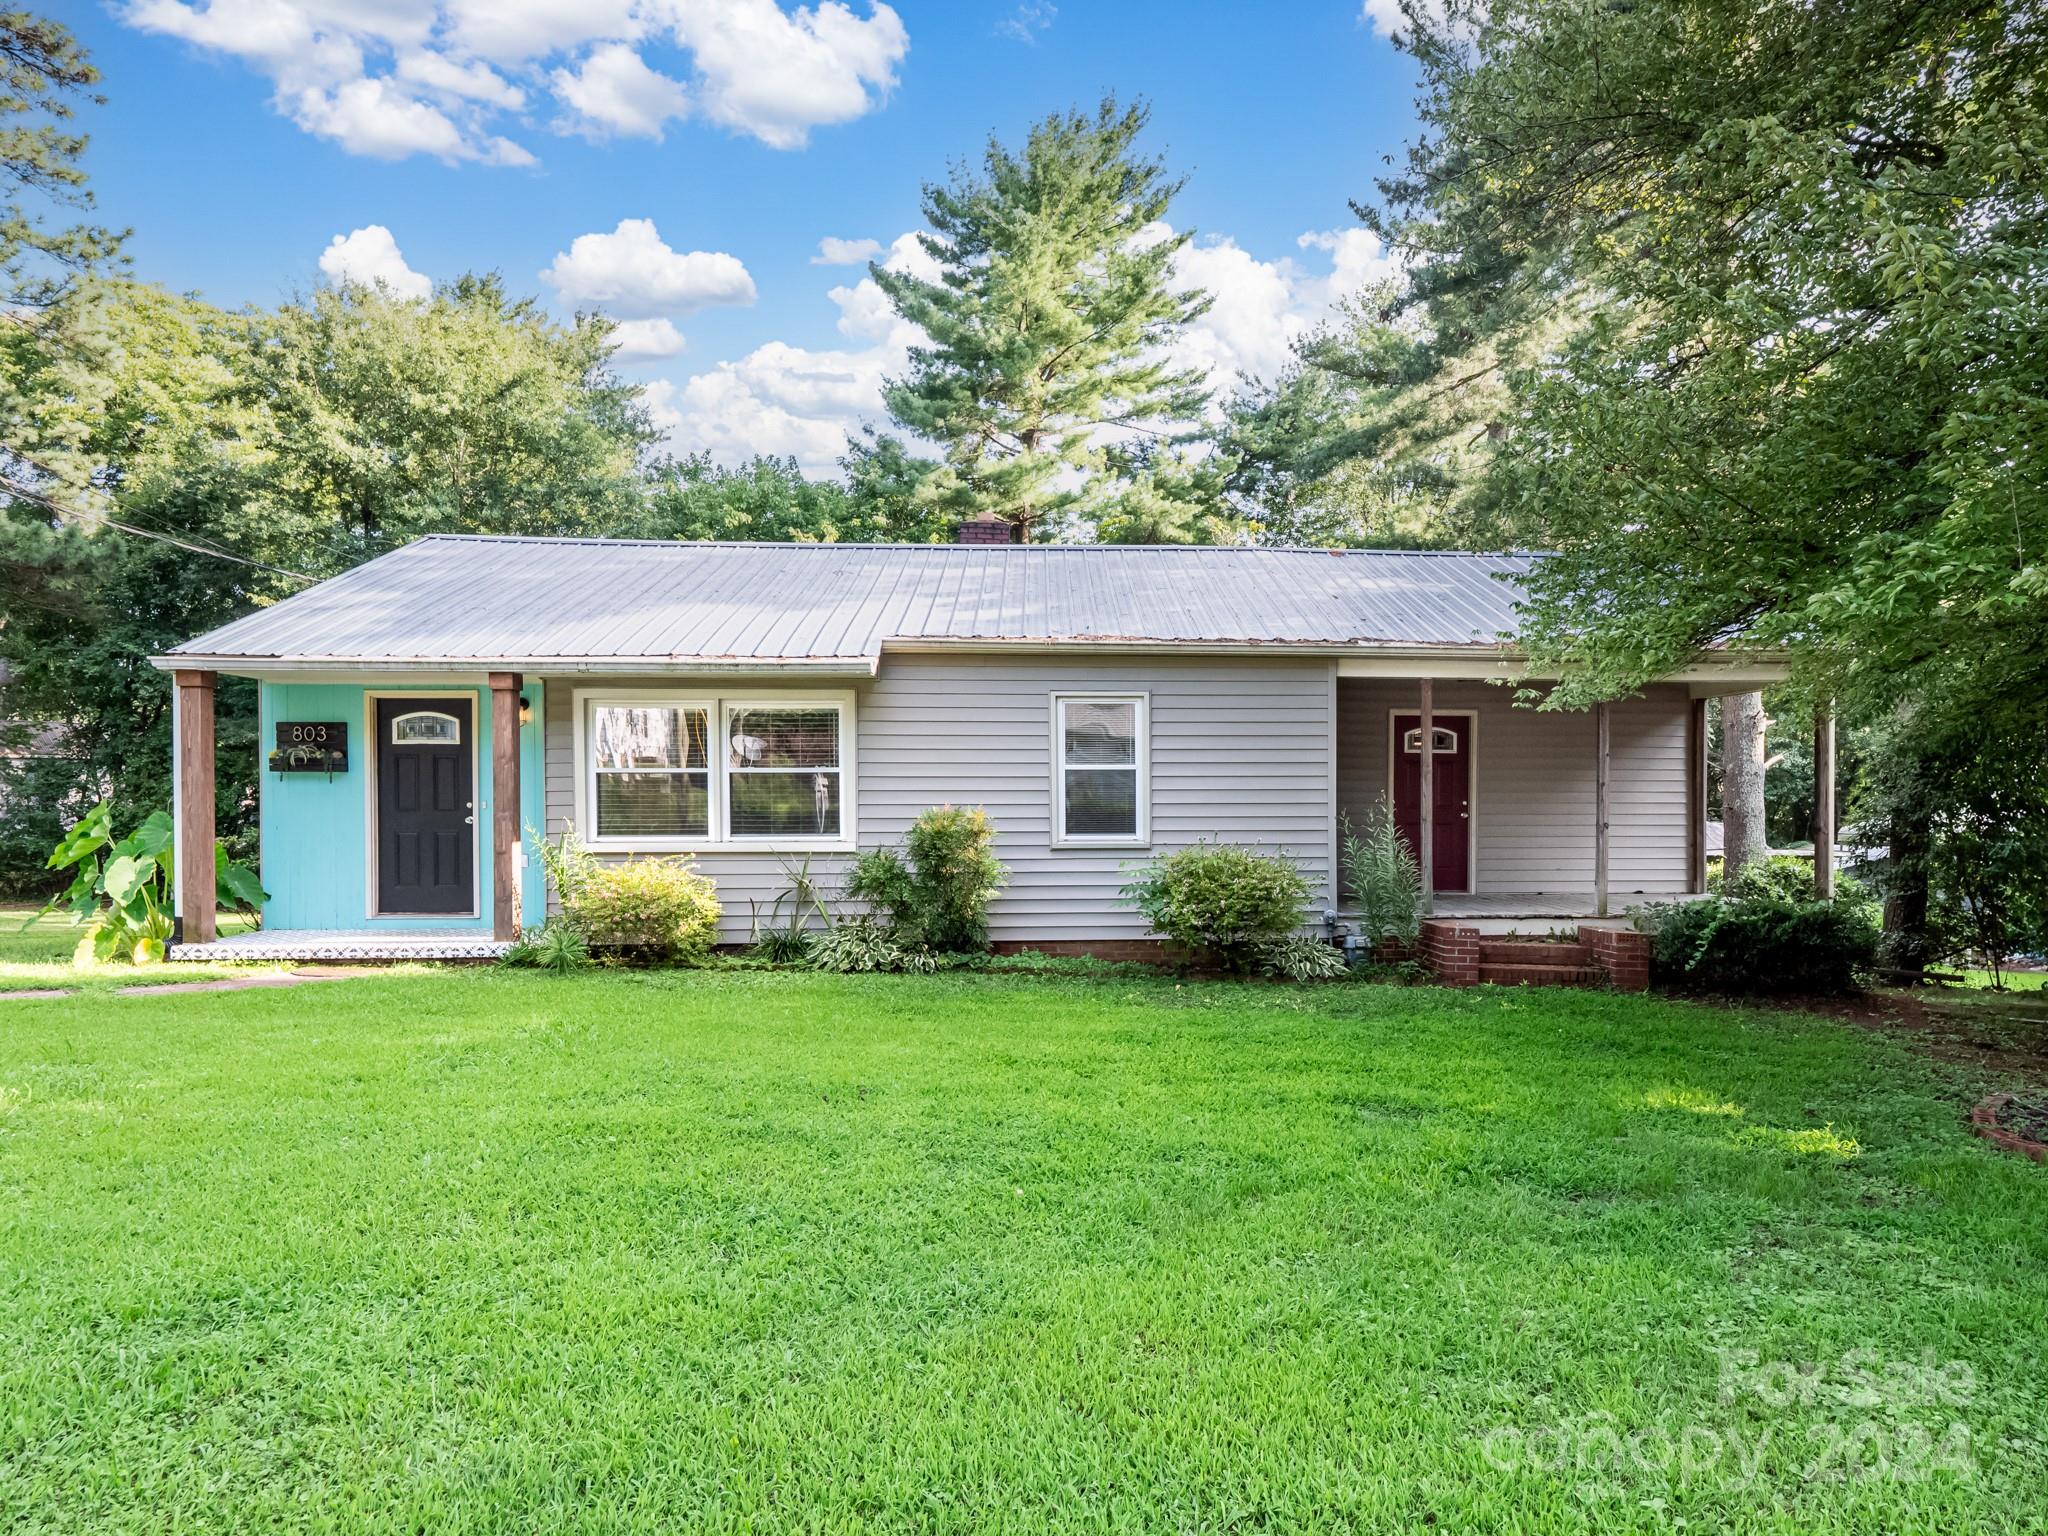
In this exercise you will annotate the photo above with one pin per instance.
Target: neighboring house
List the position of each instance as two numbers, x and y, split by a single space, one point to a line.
755 704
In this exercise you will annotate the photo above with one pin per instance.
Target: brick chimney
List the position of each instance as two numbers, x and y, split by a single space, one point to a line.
987 528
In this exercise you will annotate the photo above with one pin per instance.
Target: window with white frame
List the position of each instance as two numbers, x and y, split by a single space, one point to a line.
1099 741
672 773
782 772
651 770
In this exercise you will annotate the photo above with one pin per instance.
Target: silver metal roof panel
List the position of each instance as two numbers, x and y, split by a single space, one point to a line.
476 600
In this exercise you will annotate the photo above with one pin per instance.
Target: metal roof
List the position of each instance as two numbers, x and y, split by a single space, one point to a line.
468 599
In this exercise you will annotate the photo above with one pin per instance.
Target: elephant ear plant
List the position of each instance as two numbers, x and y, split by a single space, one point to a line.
123 889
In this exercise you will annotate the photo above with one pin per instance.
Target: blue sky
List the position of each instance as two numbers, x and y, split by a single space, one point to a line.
242 138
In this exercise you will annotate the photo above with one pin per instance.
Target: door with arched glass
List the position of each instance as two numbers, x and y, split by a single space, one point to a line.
426 807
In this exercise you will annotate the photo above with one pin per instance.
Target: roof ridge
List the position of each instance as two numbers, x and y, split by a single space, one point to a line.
601 542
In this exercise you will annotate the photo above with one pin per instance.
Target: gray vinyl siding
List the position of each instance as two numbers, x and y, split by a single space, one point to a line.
1533 784
1240 752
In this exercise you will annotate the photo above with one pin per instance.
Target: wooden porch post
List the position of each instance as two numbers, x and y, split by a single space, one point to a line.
1601 738
194 856
1696 798
505 805
1426 793
1824 801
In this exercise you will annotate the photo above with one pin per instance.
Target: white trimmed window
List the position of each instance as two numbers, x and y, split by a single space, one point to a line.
675 774
1101 769
650 771
782 773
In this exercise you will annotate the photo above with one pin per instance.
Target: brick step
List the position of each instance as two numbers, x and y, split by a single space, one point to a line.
1503 975
1533 952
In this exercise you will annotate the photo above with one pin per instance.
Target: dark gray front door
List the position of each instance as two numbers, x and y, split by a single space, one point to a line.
426 806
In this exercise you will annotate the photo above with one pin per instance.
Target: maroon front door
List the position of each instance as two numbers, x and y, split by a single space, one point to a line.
1453 768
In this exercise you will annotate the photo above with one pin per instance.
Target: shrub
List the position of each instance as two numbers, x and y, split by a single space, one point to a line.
1760 944
1297 957
553 946
646 909
934 895
863 944
1222 900
1783 877
123 889
784 934
1384 881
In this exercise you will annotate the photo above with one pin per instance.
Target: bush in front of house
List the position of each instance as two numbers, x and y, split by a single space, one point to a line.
657 910
932 896
1384 881
1784 877
1222 900
1760 944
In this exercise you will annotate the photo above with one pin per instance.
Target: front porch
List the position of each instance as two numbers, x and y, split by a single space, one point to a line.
360 945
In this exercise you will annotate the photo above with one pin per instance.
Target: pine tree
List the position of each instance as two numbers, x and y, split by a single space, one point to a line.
1049 324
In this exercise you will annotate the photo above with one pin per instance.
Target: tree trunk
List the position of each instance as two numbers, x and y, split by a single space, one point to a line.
1907 942
1743 837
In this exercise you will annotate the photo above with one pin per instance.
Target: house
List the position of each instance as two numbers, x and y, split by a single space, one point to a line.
427 715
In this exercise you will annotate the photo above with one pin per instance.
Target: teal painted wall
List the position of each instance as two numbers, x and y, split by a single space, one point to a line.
315 844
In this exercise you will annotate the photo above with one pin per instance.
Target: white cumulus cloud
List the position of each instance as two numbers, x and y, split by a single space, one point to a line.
1262 308
370 256
778 74
616 93
634 274
392 78
835 252
645 341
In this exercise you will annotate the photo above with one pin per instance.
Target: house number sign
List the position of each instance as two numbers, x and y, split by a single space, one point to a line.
310 746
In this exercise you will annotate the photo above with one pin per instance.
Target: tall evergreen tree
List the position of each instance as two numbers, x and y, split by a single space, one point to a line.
1048 325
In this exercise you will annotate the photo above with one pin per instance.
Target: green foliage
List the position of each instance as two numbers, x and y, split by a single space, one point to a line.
43 75
122 890
1222 900
553 946
1784 877
863 944
1960 792
1345 448
1761 944
1795 249
934 894
1297 957
1383 880
787 930
1048 322
771 499
655 910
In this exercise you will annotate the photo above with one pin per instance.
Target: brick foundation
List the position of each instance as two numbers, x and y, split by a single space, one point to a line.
1142 951
1450 950
1622 954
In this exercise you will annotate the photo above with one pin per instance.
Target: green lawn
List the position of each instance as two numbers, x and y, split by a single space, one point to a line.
476 1250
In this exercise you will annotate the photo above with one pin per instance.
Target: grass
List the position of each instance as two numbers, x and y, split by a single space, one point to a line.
474 1250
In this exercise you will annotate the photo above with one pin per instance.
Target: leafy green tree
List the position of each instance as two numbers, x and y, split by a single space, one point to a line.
1047 323
376 419
771 499
232 457
1346 448
1789 256
1802 246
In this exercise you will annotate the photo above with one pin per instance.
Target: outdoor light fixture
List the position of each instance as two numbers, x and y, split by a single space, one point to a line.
525 710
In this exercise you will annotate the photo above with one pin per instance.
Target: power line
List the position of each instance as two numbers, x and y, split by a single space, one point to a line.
22 493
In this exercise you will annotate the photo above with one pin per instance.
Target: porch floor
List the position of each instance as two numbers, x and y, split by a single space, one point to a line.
344 944
1508 912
